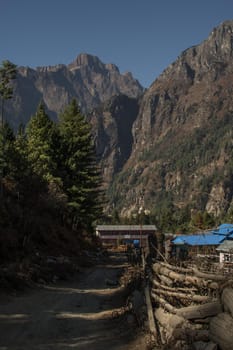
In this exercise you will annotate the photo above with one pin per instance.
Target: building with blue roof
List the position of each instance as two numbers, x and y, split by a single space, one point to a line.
202 243
199 240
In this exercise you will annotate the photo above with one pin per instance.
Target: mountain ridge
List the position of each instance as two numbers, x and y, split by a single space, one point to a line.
87 79
183 117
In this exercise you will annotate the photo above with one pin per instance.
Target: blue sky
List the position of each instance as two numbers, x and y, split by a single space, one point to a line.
141 36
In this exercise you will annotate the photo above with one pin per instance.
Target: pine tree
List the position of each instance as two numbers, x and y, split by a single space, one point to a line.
78 167
6 149
7 74
14 163
39 132
23 174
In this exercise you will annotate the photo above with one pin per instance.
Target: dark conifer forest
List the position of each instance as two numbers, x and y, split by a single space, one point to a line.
50 182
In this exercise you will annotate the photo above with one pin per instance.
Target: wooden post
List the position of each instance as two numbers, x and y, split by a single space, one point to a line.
150 313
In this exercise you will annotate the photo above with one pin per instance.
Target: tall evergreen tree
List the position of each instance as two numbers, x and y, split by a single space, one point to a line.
16 170
39 132
23 173
6 149
7 74
78 167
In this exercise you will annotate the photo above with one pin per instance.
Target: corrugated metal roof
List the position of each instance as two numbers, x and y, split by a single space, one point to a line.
126 227
226 246
200 239
178 241
225 229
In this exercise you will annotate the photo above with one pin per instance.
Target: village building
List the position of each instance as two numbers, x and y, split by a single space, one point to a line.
116 235
225 252
199 244
202 244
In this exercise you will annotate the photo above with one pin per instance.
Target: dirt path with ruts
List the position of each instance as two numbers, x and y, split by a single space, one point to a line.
71 315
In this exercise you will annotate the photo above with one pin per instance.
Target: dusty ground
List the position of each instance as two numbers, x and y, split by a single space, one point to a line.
71 315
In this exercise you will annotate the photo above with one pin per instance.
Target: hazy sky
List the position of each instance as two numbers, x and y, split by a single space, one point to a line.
141 36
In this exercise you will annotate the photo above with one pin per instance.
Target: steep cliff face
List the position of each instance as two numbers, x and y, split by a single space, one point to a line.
183 146
196 86
112 127
87 79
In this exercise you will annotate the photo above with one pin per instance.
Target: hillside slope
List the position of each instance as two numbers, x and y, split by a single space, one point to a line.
182 137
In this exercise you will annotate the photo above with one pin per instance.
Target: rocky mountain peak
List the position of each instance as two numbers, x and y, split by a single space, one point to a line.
83 60
222 38
210 57
93 63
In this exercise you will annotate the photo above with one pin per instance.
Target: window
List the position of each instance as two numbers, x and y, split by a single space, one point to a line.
228 257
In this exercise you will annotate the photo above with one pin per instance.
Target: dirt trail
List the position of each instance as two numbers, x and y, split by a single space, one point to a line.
72 315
